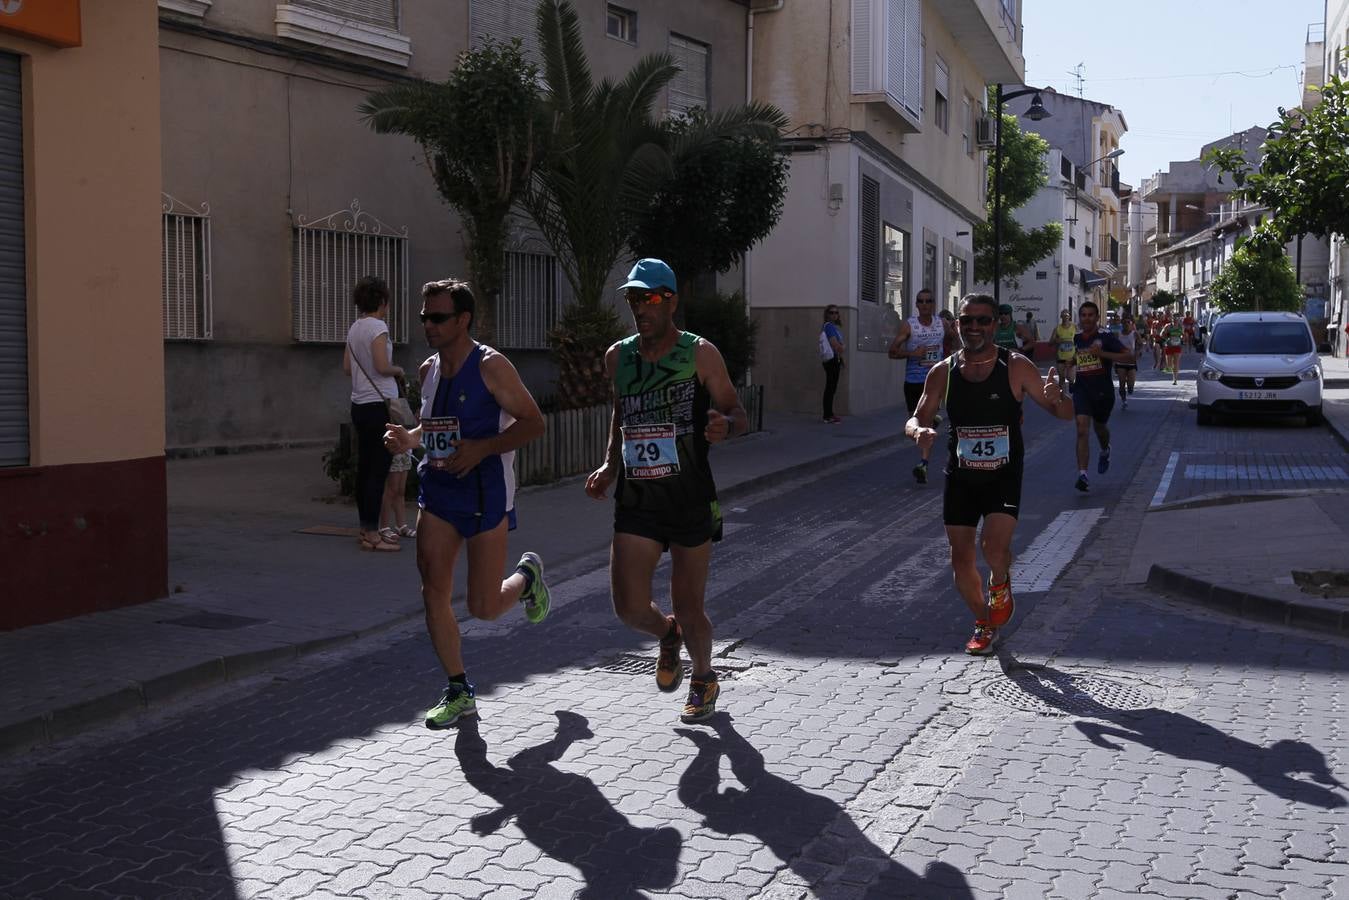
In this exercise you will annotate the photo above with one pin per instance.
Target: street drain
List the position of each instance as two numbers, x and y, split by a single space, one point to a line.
631 664
1050 692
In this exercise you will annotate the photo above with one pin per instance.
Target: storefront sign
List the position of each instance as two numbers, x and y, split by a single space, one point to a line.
50 21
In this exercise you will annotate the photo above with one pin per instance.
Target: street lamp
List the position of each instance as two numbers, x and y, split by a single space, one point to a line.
1036 112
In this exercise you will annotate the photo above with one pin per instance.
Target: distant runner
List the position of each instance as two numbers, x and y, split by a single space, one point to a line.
1173 336
1008 333
919 340
1128 371
982 388
672 399
1094 389
1065 352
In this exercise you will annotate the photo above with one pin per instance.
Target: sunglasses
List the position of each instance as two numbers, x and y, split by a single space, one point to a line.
929 300
976 320
436 318
639 297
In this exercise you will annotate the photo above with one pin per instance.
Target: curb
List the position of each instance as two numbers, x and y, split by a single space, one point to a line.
1307 614
133 697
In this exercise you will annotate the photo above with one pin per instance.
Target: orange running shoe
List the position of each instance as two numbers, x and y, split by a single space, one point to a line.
981 643
669 670
1000 604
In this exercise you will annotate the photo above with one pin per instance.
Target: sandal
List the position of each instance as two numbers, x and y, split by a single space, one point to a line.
389 534
407 531
379 544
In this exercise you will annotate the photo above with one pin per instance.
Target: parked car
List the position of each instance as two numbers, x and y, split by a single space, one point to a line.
1260 363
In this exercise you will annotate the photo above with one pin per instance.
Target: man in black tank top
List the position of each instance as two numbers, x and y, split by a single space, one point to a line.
982 387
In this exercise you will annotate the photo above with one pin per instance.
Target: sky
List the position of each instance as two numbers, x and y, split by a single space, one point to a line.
1183 72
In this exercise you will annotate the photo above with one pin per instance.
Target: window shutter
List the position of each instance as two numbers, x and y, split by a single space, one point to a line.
913 56
894 49
869 241
863 55
503 21
689 87
380 13
13 280
943 78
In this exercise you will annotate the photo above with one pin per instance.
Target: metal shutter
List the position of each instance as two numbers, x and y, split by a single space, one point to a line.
863 55
689 87
505 20
869 240
13 283
380 13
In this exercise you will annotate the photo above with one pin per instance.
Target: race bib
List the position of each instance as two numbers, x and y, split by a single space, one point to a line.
931 356
1066 347
1173 340
1087 362
649 451
983 447
438 435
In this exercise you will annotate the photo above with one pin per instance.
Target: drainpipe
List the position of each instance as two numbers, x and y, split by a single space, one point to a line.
749 96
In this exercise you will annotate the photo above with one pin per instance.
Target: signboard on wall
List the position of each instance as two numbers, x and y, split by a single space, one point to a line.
55 22
1044 311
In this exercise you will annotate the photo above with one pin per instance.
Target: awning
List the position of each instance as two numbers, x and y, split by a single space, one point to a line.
1092 279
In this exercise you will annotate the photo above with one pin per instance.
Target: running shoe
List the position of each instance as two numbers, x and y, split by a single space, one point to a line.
1000 603
702 700
1081 484
535 599
981 642
455 703
920 473
1103 461
1124 401
669 670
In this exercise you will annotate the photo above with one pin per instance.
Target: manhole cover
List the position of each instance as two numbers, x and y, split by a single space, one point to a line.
212 621
1053 693
632 664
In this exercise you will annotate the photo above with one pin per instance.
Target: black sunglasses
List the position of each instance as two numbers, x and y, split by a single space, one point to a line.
976 320
437 318
928 300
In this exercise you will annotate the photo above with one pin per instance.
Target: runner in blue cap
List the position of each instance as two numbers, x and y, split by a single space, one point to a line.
672 399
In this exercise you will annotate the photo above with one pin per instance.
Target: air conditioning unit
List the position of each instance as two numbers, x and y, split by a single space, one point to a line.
983 131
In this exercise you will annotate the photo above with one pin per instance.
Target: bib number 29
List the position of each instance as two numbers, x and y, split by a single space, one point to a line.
647 452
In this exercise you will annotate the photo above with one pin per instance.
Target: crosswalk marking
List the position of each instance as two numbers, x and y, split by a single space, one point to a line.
1165 484
1267 472
1052 550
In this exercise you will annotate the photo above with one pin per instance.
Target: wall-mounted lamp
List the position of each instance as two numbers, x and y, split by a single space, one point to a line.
961 233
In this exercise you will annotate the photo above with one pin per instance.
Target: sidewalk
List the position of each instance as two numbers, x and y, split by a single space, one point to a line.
1241 558
264 568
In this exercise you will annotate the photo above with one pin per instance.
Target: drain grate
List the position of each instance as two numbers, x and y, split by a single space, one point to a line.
632 664
1053 693
213 621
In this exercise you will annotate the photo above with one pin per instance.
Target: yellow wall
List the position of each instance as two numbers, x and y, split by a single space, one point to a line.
92 171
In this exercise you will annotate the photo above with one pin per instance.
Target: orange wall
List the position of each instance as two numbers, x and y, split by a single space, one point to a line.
92 159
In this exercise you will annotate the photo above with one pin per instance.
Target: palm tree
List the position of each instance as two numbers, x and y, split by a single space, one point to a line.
481 135
608 156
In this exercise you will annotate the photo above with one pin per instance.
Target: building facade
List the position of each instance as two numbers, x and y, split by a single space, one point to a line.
82 487
1335 48
277 196
887 178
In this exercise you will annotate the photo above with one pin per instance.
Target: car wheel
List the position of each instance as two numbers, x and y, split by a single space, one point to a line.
1314 417
1205 417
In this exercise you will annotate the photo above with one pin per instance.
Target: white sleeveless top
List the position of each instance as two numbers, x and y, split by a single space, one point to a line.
924 336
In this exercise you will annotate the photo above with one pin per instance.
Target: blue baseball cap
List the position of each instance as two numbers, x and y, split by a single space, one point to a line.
649 275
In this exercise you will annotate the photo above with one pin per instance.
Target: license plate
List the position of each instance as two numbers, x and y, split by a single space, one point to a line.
1257 395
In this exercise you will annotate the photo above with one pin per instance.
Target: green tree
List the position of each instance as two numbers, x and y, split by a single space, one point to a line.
608 156
1303 175
1163 297
724 195
1257 277
724 320
481 135
1023 173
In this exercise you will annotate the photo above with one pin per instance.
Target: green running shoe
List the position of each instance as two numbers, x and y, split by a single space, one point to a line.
536 599
455 703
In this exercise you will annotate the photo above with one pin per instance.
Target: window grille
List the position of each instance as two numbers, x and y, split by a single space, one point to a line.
380 13
533 293
869 240
185 283
689 87
504 21
329 256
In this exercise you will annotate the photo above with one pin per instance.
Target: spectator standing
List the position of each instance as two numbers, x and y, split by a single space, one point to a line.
368 359
831 356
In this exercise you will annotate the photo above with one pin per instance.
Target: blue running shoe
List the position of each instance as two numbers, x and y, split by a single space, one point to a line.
1103 461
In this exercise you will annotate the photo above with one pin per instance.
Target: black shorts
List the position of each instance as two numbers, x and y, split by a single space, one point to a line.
685 528
966 500
913 392
1097 402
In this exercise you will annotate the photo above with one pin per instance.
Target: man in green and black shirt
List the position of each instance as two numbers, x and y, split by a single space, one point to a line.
672 399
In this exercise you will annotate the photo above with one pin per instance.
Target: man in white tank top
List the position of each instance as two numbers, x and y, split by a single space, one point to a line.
919 341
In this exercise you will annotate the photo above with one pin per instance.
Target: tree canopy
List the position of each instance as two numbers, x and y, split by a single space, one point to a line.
1023 173
1257 277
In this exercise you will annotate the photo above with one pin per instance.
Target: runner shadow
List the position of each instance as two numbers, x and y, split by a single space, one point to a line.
566 816
1270 768
786 817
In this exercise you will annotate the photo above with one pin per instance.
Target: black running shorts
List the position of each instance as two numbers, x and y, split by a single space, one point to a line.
685 528
913 392
966 501
1097 401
